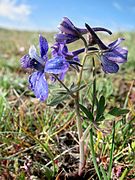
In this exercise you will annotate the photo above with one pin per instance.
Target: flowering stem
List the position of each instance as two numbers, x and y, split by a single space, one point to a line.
78 120
81 71
91 131
80 134
94 84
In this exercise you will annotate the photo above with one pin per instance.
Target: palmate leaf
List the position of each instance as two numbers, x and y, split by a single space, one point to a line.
118 111
87 112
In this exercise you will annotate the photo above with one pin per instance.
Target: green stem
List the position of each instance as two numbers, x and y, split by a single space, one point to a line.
91 131
124 174
103 173
80 134
94 84
81 70
78 117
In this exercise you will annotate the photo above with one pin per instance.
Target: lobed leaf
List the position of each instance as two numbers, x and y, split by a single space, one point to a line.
87 112
100 108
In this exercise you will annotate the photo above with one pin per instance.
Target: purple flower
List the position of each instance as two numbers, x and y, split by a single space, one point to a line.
56 65
37 80
95 38
60 51
70 33
112 54
113 57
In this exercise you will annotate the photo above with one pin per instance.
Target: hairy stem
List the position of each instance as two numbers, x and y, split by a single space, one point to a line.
80 134
81 70
78 119
94 84
91 131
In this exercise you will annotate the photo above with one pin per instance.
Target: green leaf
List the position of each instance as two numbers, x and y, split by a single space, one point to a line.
58 99
100 108
48 173
118 111
62 92
124 174
86 112
101 118
74 88
103 172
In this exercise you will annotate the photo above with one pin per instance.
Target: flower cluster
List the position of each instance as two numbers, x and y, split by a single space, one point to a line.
62 59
